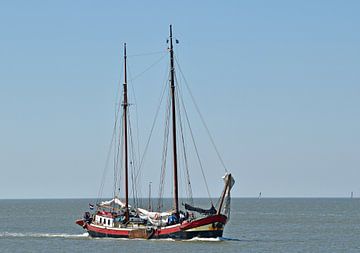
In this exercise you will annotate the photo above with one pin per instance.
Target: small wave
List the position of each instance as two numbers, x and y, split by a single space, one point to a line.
229 239
199 239
44 235
166 239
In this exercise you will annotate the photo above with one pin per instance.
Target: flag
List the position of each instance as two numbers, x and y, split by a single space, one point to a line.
91 206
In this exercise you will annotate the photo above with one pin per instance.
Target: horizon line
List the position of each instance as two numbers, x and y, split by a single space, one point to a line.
270 197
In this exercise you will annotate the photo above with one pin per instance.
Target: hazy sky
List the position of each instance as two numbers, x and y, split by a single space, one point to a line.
278 83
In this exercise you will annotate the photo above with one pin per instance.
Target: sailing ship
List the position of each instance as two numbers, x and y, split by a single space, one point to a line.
117 218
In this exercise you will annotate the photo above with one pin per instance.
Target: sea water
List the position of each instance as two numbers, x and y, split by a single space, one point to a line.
256 225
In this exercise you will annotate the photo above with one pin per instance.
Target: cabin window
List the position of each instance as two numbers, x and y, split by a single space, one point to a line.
109 222
100 220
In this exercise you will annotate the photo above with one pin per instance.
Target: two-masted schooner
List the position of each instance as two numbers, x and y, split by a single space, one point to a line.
117 218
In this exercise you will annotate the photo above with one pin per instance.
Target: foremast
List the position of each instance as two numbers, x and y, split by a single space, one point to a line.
172 86
126 162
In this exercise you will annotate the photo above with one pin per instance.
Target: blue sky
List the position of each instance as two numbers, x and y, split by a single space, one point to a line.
277 81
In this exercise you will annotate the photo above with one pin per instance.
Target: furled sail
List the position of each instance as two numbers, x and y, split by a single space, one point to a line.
153 215
212 210
111 203
229 183
155 218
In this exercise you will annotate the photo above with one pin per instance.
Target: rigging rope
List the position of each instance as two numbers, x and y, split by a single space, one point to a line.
195 147
136 111
136 189
116 150
119 157
133 167
148 68
105 170
146 54
152 128
186 164
201 117
113 139
164 155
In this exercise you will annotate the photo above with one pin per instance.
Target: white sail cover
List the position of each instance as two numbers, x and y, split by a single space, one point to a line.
156 218
153 215
112 202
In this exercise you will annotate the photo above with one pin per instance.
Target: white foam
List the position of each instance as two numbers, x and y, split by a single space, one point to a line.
199 239
86 235
164 239
43 235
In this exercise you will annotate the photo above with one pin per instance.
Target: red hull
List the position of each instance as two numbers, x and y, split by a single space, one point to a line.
208 227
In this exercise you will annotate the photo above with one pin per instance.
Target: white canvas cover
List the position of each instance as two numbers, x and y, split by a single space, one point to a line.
156 218
111 202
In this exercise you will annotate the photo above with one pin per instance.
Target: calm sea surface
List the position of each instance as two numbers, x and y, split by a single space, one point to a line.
266 225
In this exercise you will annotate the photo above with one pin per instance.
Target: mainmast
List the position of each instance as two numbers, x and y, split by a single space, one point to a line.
125 105
172 85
